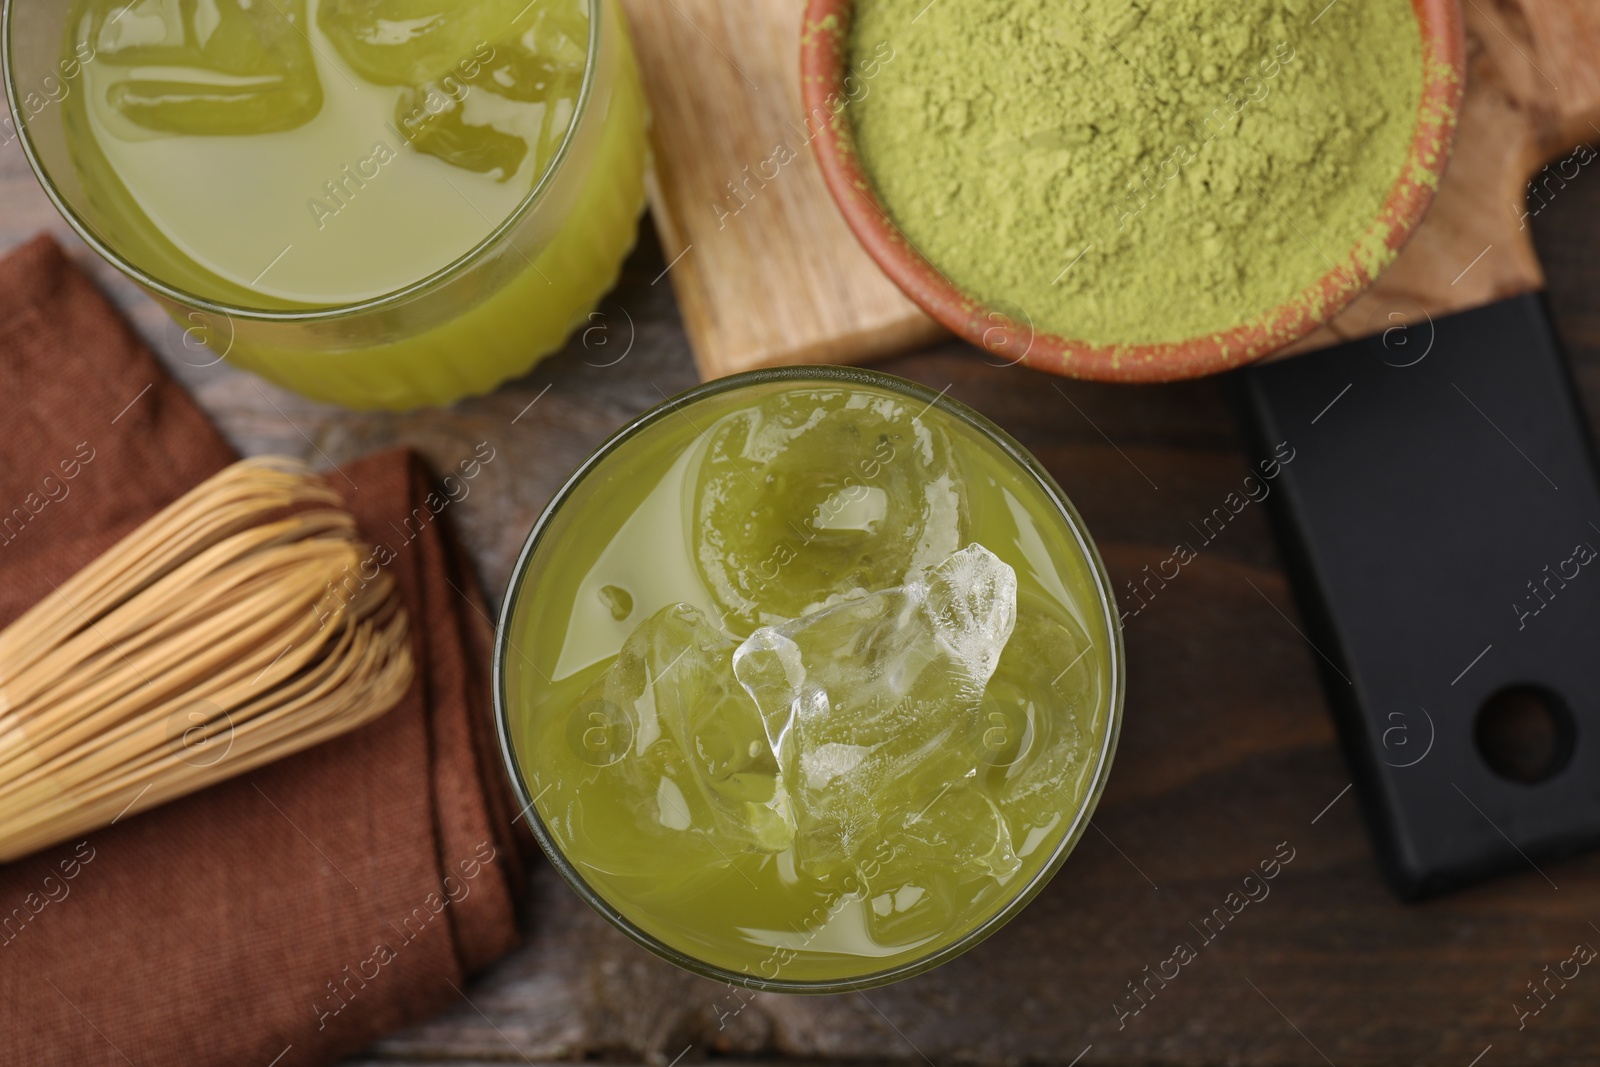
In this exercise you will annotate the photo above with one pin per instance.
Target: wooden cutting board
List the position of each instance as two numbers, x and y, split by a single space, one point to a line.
767 273
765 269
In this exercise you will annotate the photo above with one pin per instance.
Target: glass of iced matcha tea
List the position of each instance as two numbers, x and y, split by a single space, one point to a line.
380 203
809 679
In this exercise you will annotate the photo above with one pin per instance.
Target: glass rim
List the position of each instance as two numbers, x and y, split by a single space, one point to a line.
331 312
1070 837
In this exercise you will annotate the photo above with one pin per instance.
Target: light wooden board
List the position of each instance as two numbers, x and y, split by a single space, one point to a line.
768 274
765 269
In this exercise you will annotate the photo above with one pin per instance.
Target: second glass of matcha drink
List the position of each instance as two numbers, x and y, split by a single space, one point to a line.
809 679
380 204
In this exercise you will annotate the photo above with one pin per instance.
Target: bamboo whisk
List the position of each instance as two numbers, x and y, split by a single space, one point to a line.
224 633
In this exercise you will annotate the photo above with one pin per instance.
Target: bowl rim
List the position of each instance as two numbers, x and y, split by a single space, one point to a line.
1010 333
518 587
499 234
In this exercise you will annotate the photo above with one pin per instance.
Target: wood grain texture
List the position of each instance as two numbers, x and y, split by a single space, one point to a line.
765 269
723 78
1227 749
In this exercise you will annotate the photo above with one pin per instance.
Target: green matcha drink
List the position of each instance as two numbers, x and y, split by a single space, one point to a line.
323 126
344 191
809 677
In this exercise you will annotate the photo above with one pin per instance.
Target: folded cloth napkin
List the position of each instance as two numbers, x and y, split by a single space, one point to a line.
293 914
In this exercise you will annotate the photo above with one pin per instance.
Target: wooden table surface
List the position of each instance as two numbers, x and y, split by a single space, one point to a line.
1227 751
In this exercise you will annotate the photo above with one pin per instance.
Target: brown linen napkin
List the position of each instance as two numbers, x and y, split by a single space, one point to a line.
289 916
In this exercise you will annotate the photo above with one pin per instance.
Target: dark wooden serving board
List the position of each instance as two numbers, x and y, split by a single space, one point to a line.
1228 749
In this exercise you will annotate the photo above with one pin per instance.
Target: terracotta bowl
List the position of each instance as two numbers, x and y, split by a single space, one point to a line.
1007 333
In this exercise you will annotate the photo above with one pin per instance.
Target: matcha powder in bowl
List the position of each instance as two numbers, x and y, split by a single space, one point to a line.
1137 190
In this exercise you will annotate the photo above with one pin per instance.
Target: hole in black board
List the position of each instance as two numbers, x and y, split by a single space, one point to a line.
1525 733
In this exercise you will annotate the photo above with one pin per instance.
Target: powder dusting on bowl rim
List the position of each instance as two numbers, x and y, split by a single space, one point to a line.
1010 334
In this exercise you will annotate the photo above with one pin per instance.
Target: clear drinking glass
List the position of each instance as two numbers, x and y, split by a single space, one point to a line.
461 330
559 742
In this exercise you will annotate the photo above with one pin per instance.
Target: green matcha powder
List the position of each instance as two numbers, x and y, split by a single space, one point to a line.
1138 171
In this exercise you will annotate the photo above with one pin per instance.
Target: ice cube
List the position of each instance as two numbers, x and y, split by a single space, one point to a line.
818 493
972 607
528 51
1040 714
434 124
413 42
923 878
231 67
696 757
867 703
